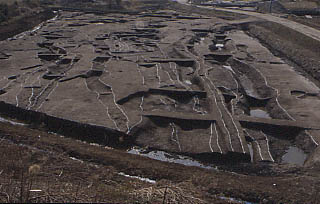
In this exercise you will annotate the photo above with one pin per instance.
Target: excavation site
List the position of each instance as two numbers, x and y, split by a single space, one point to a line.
161 102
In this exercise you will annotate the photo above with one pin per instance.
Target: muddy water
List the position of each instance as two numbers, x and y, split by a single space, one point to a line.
294 155
259 113
164 156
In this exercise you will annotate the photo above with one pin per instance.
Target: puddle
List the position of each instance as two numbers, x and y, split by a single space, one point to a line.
233 200
294 155
11 122
164 156
259 113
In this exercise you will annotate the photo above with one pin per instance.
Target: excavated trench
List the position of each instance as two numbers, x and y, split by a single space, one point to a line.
161 84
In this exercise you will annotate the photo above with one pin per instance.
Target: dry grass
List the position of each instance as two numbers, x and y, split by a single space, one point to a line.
28 175
166 194
96 179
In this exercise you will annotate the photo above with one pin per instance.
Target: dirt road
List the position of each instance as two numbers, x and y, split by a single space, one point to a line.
306 30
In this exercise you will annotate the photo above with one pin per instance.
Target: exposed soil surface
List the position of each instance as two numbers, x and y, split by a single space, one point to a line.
189 85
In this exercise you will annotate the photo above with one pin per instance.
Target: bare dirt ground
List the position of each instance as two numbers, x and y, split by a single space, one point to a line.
314 22
171 83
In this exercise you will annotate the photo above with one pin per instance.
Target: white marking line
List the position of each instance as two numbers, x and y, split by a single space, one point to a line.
197 102
48 96
57 84
162 101
236 128
215 128
142 99
161 69
172 101
71 64
114 100
266 82
278 94
175 132
254 140
32 92
30 99
232 101
158 76
107 108
40 94
22 83
8 84
297 97
195 98
172 81
177 137
312 138
268 149
17 100
98 98
215 99
226 109
141 107
143 80
211 135
114 122
175 70
259 150
236 94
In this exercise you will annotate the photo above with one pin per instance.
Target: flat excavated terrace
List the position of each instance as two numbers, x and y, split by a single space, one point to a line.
193 85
